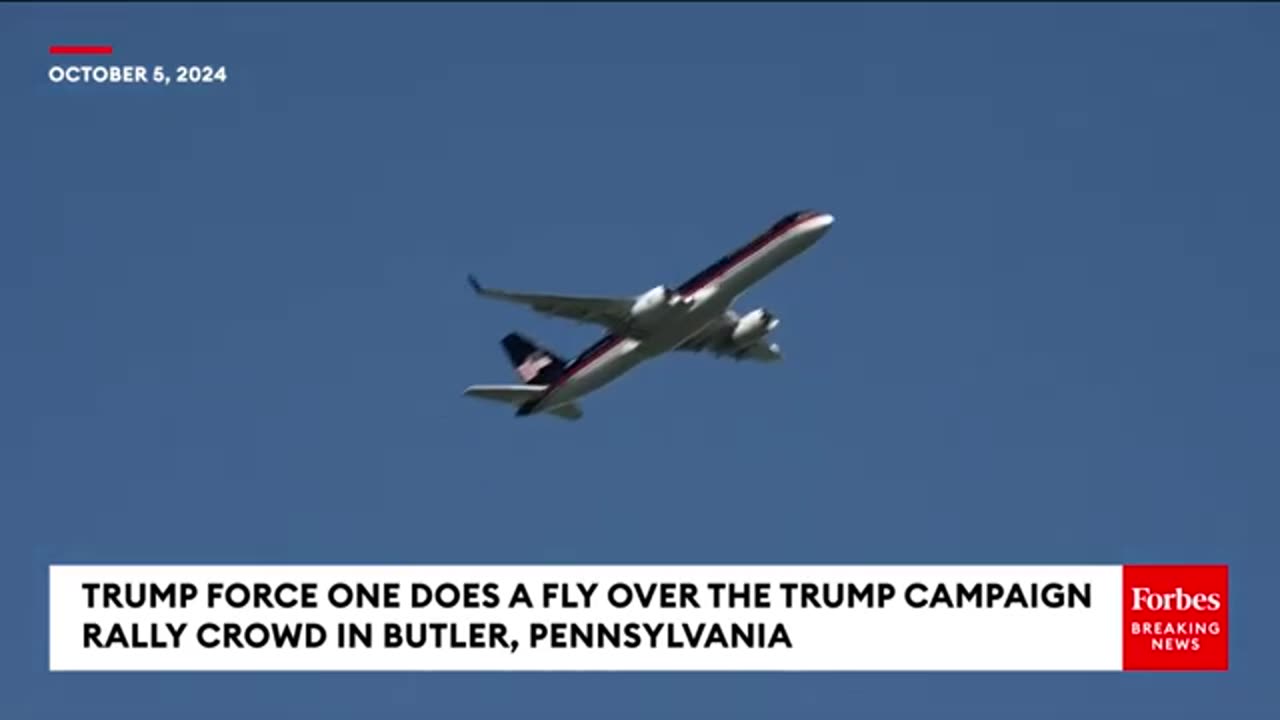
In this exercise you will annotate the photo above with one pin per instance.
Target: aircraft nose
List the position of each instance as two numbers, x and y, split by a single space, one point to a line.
821 224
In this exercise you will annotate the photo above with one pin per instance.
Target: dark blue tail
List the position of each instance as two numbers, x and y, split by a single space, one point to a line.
534 365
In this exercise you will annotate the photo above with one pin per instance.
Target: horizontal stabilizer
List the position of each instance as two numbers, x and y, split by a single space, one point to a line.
510 394
520 394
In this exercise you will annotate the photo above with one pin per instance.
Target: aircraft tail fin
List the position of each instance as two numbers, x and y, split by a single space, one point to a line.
534 364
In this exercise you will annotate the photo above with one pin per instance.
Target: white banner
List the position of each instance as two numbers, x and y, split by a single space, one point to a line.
617 618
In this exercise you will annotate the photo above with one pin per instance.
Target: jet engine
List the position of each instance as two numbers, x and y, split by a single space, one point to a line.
753 326
652 302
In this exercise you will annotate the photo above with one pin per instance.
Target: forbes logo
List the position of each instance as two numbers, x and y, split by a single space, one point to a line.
1175 617
1144 598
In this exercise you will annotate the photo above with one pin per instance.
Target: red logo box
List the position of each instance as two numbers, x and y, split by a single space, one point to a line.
1175 617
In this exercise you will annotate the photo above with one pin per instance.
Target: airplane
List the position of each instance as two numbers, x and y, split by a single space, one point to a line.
696 316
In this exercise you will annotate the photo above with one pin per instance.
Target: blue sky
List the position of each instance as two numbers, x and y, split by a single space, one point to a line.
236 325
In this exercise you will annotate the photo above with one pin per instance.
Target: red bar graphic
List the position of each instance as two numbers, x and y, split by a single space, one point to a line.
79 49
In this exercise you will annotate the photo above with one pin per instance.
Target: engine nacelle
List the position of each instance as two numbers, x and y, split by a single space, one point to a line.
652 302
753 326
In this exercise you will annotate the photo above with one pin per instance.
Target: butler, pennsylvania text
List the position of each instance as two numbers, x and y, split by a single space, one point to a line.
469 636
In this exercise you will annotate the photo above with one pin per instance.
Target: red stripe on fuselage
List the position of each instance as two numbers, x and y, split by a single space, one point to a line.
717 269
590 355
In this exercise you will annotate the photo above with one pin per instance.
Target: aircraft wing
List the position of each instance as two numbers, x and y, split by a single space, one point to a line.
611 313
717 340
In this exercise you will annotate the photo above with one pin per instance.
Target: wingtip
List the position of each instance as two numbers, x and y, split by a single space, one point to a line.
474 283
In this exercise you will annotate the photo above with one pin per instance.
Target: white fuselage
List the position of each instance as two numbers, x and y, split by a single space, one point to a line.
614 355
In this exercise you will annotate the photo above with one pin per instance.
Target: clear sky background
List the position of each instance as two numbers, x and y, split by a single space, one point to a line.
235 323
